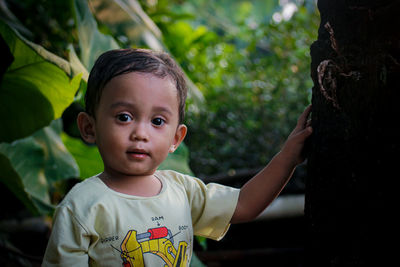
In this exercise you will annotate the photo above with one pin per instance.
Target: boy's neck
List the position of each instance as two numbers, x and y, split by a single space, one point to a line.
143 186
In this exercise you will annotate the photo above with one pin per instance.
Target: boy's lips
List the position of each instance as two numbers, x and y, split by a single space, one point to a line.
138 153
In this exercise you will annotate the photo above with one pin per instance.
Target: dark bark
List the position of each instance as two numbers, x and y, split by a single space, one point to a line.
354 150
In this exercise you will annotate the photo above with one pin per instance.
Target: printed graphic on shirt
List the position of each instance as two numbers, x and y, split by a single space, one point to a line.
158 241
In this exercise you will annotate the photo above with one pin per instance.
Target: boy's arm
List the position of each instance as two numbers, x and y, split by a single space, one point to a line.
68 243
263 188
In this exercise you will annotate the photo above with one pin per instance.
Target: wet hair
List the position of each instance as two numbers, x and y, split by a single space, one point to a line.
121 61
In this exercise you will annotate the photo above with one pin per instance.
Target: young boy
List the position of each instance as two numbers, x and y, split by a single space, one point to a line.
133 214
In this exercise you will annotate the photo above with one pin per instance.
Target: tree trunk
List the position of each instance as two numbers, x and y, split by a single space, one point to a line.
354 150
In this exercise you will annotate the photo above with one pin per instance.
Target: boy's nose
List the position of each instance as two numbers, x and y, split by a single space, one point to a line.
139 133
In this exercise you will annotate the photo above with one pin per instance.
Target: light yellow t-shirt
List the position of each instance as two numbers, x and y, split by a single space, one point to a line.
97 226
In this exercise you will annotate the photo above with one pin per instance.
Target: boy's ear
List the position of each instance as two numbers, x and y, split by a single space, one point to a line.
86 127
179 136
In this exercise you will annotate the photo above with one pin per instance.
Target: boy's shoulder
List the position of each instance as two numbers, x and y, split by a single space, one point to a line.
171 176
89 190
181 181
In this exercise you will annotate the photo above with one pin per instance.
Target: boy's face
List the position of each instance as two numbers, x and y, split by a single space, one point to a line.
136 123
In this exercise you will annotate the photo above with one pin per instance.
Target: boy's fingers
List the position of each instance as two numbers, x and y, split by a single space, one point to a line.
302 121
307 112
305 133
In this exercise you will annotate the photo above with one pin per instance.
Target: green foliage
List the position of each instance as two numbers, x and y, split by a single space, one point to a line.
36 88
86 156
132 27
92 42
33 164
178 161
34 78
253 72
47 23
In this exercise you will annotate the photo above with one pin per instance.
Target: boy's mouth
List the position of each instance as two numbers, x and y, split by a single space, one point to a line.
138 153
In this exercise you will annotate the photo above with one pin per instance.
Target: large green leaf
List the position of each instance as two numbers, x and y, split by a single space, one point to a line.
32 164
59 163
12 180
76 64
7 57
87 156
92 42
78 68
35 89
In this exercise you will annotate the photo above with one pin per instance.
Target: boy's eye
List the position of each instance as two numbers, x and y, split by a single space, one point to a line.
124 117
158 121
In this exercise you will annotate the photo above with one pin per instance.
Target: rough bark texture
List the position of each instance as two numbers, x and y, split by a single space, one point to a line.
354 151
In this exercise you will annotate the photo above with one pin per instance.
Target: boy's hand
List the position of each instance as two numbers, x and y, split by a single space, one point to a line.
294 144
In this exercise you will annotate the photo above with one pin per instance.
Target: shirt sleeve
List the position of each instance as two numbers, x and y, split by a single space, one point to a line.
68 243
212 207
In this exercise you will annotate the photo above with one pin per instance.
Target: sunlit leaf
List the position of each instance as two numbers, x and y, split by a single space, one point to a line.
78 69
34 90
76 64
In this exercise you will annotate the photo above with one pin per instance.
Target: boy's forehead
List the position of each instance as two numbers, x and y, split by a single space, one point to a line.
146 84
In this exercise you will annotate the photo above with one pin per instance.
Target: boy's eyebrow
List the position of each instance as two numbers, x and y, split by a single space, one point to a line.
130 105
121 103
163 109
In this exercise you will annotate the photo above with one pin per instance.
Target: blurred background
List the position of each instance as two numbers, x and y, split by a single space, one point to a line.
248 68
